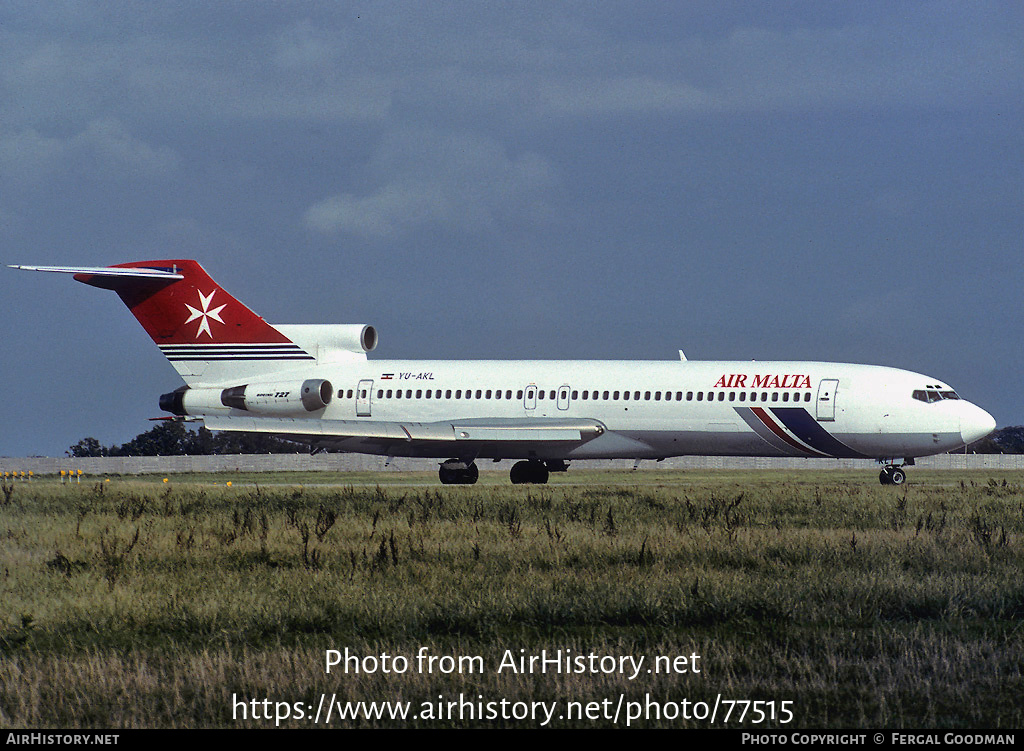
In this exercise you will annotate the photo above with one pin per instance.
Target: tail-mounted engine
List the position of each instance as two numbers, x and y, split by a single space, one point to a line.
283 399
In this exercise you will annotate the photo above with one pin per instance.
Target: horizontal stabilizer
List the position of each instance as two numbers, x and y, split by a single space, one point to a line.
137 273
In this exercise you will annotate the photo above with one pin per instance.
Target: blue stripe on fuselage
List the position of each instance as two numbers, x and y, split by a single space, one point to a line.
807 429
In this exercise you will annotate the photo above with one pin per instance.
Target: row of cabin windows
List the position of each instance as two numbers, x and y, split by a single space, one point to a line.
700 396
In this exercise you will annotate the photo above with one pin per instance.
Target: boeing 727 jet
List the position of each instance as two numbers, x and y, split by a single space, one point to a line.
314 384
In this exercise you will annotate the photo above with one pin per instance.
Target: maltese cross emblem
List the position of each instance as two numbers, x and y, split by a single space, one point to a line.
205 314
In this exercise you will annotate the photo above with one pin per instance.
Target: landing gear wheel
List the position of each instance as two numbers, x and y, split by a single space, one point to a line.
457 472
892 475
528 473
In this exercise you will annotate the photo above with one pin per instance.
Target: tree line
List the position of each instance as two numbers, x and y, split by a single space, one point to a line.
1004 441
172 438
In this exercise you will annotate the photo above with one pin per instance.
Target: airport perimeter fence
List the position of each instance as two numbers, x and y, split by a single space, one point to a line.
236 463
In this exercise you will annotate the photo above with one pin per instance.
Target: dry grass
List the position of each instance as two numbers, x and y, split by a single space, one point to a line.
133 604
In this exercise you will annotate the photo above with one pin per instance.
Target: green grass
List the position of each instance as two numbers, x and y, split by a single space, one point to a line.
135 603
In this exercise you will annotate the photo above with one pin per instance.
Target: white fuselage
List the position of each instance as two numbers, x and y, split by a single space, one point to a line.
650 409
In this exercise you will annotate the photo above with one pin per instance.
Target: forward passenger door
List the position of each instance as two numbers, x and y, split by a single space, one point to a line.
826 411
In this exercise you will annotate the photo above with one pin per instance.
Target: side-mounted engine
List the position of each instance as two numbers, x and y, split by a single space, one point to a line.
280 399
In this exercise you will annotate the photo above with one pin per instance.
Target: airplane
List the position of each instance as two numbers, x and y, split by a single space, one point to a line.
313 384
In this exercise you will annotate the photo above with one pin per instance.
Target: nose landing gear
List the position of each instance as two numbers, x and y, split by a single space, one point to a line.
892 476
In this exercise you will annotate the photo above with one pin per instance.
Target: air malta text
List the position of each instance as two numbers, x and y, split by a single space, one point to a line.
739 381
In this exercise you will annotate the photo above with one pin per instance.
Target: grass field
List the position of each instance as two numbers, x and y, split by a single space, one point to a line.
138 603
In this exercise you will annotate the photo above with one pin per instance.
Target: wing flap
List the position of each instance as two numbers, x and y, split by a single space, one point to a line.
516 430
481 431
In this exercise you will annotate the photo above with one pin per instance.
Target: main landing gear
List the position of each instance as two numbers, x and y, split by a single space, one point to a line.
893 474
535 472
458 472
531 472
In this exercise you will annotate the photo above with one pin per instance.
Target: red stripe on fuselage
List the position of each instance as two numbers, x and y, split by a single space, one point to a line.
778 430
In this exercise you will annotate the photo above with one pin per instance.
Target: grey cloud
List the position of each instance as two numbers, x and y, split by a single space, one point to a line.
624 94
462 182
105 148
566 63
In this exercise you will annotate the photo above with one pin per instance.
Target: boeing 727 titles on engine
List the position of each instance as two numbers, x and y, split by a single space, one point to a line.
314 384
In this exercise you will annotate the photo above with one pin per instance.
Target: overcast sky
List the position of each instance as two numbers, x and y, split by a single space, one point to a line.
785 180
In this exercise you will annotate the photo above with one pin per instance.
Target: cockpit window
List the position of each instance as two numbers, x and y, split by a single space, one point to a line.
930 395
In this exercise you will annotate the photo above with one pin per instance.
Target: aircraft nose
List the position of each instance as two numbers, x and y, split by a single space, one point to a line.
975 424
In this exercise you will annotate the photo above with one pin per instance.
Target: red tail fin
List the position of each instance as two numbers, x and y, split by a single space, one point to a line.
191 310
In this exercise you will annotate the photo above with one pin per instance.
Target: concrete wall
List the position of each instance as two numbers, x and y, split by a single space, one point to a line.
137 465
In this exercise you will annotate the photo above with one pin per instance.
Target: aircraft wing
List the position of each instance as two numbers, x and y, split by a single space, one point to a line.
447 432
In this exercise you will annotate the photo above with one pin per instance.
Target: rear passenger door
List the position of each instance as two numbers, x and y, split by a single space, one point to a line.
363 396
